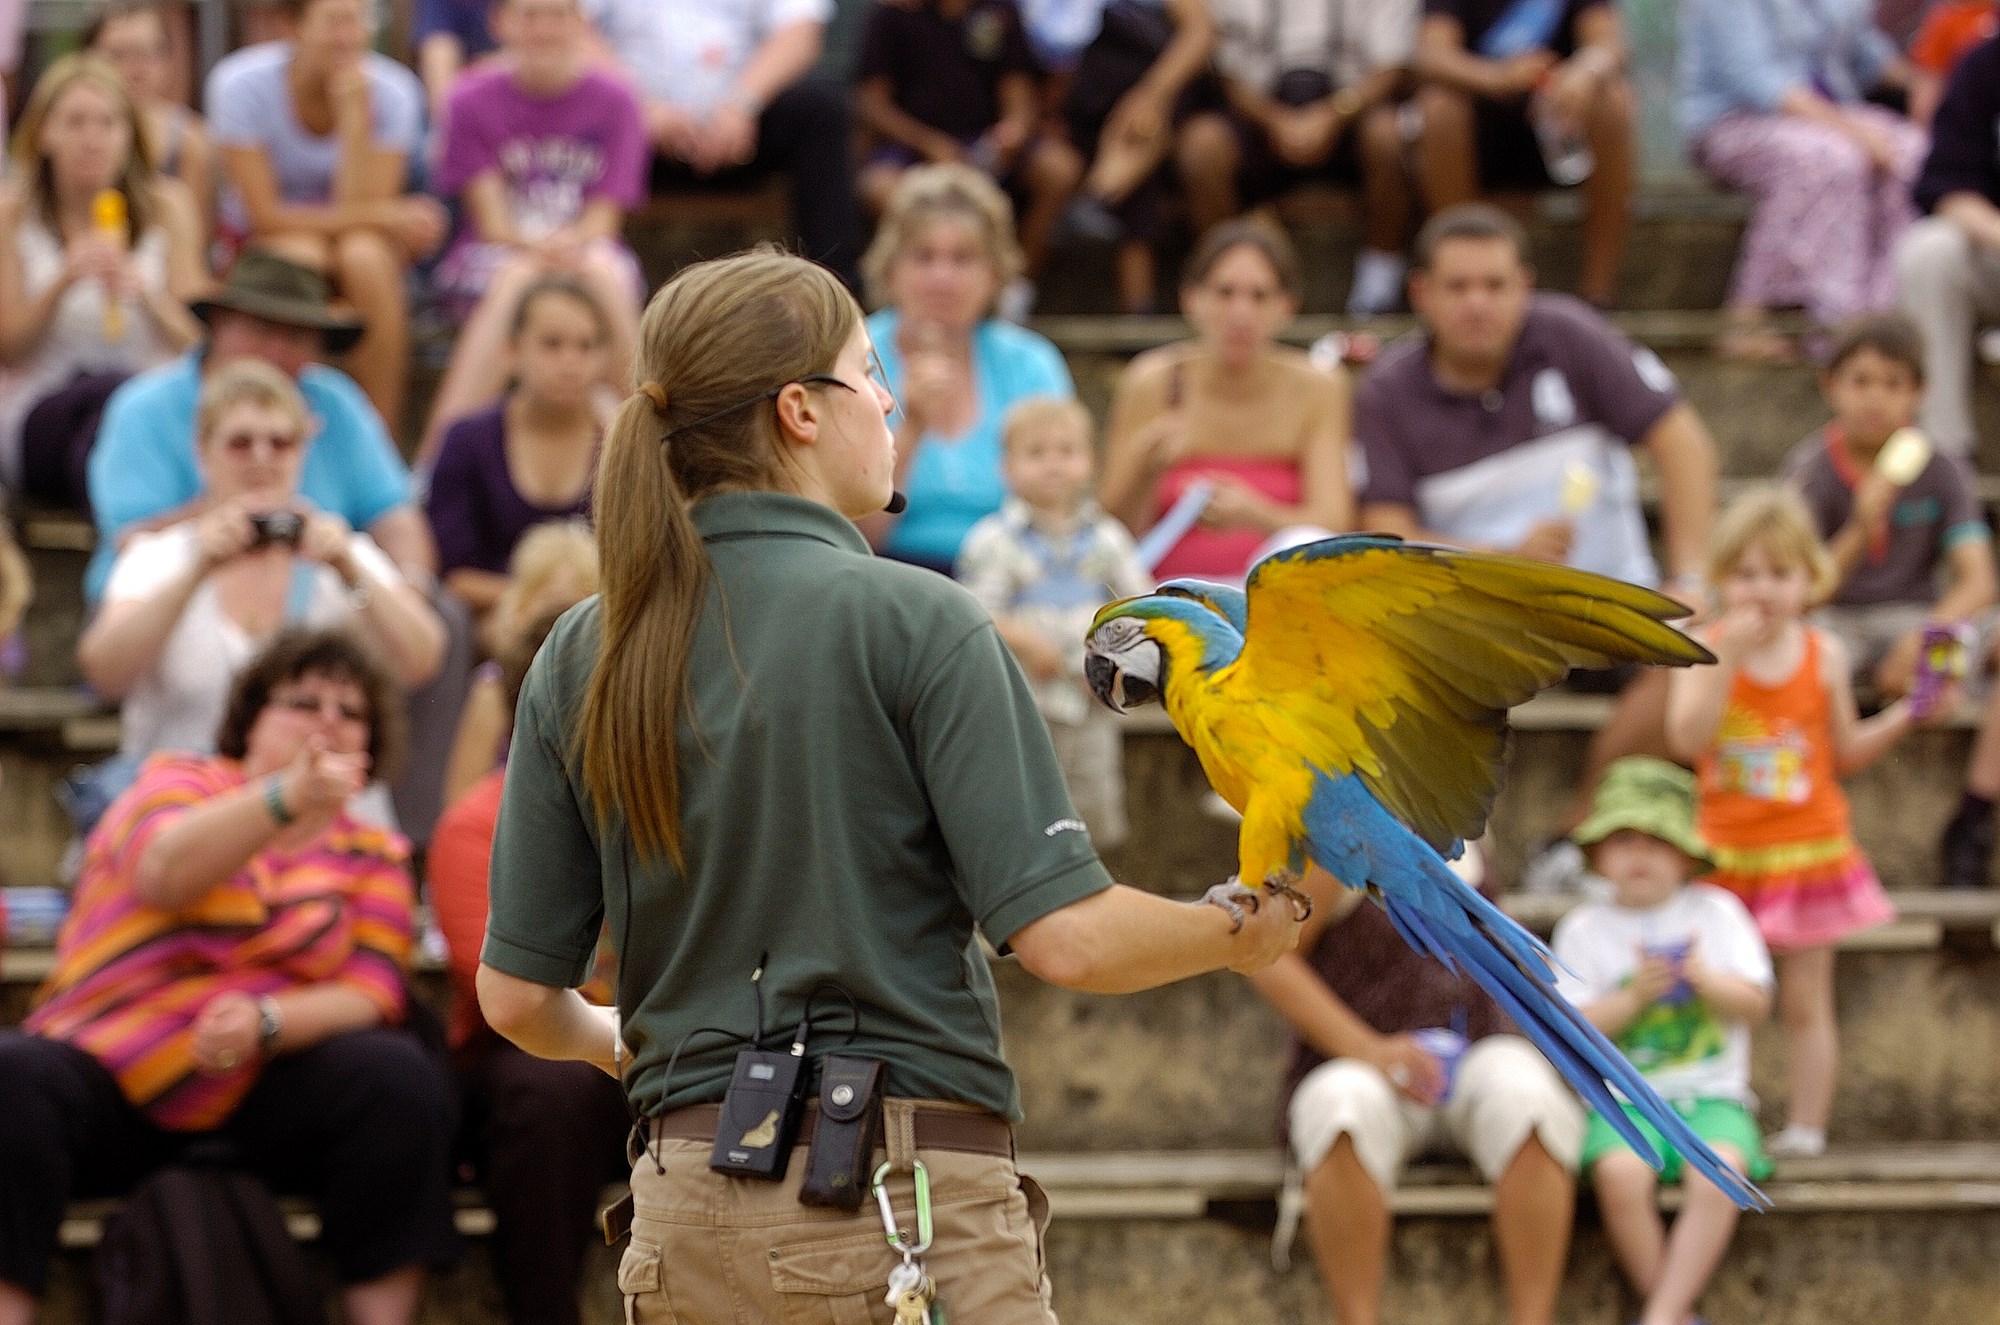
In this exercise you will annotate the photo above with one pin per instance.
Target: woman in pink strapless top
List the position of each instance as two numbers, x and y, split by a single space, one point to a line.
1233 408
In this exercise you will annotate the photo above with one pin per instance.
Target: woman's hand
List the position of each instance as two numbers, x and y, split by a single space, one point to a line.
931 380
318 783
1738 630
223 534
417 223
1236 505
327 539
1412 1069
225 1033
1874 141
94 257
1517 75
1548 540
1139 119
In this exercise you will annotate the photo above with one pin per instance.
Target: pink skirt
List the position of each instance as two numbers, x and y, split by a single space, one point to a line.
1805 894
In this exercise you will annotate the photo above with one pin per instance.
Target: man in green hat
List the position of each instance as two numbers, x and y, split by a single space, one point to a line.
1675 973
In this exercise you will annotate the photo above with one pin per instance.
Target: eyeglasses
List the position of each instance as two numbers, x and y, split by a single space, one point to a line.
280 443
876 375
305 704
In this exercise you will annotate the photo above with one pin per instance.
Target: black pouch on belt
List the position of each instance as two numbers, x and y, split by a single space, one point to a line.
844 1138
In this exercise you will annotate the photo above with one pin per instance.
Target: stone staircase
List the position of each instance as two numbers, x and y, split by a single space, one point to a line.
1150 1117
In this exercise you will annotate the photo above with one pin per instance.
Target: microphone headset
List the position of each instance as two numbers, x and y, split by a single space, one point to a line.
898 503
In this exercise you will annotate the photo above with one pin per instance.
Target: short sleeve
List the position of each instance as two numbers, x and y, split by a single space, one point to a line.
1582 974
240 99
1389 40
397 105
147 563
1018 849
1629 388
469 149
545 887
1729 941
167 787
1964 517
1042 370
1391 481
982 565
1807 472
364 474
627 151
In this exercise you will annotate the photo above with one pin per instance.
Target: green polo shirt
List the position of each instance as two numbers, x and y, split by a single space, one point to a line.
864 781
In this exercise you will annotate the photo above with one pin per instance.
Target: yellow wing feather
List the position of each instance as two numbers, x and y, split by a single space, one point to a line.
1398 661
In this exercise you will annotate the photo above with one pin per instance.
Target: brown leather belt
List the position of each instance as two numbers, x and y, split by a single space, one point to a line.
970 1131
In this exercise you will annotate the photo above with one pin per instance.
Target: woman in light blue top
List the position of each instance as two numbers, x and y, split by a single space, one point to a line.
1771 103
944 251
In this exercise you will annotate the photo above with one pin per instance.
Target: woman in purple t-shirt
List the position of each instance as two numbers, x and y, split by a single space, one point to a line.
546 154
530 458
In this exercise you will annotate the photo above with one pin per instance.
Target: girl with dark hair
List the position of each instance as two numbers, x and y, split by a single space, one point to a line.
1254 421
762 754
530 458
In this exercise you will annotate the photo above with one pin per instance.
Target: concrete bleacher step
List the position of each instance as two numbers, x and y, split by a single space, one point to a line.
1184 1236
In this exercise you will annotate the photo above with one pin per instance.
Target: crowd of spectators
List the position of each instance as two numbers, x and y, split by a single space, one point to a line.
206 336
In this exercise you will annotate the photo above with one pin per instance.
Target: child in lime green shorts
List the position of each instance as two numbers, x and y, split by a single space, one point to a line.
1675 974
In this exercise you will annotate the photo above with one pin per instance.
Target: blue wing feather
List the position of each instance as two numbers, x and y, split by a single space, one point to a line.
1359 842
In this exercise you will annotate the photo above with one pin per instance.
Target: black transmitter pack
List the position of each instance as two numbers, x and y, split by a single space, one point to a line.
760 1114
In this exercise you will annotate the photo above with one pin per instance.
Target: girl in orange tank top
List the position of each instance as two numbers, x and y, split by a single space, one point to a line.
1771 729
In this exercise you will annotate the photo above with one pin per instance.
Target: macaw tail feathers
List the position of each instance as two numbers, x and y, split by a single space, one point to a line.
1355 839
1512 965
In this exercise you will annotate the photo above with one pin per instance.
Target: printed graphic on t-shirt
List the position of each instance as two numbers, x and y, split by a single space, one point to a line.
546 180
1668 1035
1762 758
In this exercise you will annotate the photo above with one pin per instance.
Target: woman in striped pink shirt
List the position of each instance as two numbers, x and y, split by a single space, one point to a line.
233 963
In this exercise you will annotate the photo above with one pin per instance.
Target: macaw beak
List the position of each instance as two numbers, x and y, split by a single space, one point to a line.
1102 674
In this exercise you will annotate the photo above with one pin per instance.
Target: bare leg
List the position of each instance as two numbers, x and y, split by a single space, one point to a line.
1347 1218
16 1307
1628 1198
1534 1204
1701 1235
306 250
875 185
369 270
1138 277
1607 194
477 371
1812 1042
1447 149
1207 156
390 1300
1385 181
1982 771
1051 172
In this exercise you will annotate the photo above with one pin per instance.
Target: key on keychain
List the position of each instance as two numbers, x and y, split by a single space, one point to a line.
913 1305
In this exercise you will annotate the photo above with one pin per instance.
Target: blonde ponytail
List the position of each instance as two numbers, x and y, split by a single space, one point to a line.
719 334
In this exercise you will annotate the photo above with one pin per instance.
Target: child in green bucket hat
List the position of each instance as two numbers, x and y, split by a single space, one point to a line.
1675 973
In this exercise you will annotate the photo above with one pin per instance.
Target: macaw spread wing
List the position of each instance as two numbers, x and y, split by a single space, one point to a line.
1398 661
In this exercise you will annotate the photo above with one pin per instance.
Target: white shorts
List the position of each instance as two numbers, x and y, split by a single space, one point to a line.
1505 1090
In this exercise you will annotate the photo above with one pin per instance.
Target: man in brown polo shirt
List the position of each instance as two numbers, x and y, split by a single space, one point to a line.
1510 425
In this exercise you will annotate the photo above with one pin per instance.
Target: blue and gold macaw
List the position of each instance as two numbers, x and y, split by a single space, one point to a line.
1351 703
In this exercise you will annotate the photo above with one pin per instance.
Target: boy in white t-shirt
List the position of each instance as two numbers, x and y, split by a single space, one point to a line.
1675 974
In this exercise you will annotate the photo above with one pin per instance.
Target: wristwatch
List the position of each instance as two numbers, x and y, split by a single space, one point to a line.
270 1023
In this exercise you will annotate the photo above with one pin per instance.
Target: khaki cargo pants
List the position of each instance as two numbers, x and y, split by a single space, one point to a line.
712 1250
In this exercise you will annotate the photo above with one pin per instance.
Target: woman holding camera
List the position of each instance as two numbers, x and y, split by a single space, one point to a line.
187 607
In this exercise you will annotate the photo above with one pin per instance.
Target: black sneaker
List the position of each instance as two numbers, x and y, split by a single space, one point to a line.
1966 849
